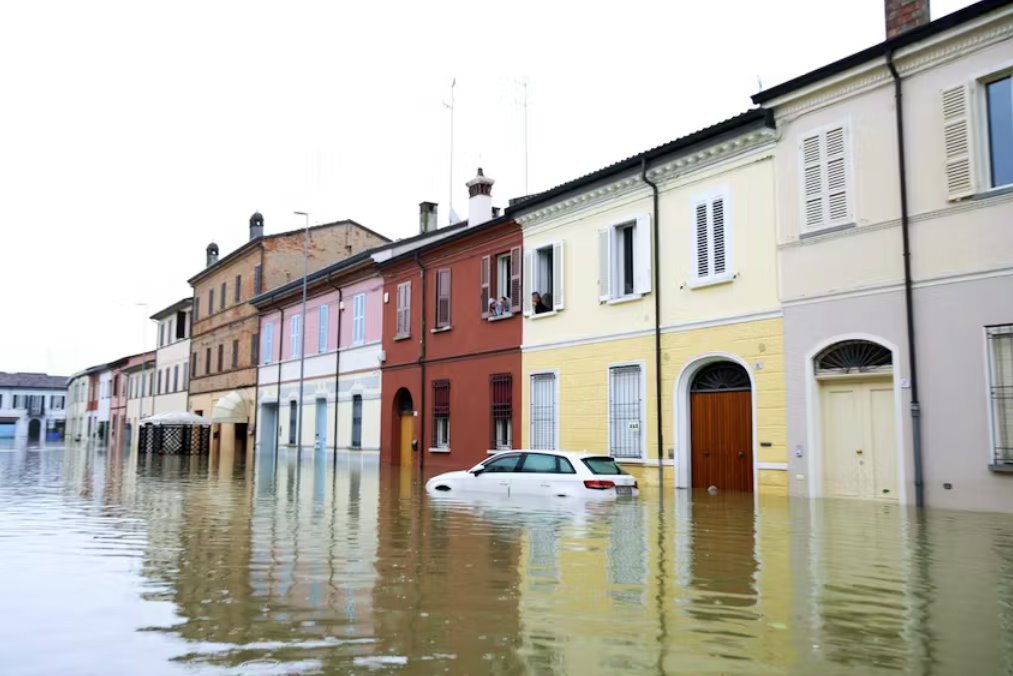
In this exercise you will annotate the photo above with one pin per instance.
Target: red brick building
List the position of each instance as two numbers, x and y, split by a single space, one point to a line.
451 378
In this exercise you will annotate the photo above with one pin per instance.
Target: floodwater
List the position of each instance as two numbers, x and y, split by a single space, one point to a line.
113 565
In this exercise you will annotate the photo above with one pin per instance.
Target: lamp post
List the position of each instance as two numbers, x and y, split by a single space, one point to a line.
302 324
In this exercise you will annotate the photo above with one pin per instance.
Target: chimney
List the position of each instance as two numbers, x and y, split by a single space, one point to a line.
212 252
905 15
479 199
427 217
256 225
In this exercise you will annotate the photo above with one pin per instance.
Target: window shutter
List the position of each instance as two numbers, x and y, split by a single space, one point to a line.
529 263
604 264
642 256
257 280
835 144
442 298
957 138
557 276
484 277
322 328
701 260
812 168
399 311
516 265
718 257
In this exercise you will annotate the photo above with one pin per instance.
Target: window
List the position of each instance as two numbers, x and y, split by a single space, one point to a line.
296 327
625 412
710 248
441 414
268 352
542 463
404 310
239 288
501 396
170 330
207 361
501 285
624 259
235 354
221 302
359 319
17 401
161 334
825 178
255 349
293 421
443 298
159 388
211 301
999 98
322 328
505 463
186 371
180 325
543 411
175 378
196 309
356 421
258 281
543 279
1000 357
193 365
221 356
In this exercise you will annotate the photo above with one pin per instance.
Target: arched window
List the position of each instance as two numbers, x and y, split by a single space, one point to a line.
721 376
854 357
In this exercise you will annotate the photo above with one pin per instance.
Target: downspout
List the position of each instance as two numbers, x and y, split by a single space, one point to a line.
337 369
422 364
281 353
916 411
655 273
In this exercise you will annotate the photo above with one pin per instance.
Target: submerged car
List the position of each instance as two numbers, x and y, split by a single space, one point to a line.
541 473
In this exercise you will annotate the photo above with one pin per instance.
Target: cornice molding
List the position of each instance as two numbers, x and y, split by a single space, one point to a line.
670 171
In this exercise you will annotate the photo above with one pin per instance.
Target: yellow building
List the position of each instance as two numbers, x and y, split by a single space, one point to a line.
596 327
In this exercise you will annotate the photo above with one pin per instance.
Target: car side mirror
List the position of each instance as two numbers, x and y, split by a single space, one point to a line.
477 469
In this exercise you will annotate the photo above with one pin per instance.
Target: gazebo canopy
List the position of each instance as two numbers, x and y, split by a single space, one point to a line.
176 418
230 409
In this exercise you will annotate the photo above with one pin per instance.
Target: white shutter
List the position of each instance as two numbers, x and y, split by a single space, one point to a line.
604 264
835 152
643 242
812 176
557 276
701 257
957 138
529 262
322 328
268 344
718 245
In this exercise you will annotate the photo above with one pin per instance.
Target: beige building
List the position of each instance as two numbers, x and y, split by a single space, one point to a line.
893 307
224 344
172 370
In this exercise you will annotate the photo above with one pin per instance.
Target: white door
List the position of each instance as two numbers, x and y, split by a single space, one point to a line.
859 447
321 431
497 477
536 476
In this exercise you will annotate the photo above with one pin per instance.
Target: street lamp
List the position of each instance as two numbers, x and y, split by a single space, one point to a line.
302 324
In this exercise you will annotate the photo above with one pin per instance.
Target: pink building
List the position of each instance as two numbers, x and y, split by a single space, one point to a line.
339 350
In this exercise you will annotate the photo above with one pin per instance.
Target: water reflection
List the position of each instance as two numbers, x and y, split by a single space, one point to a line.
118 564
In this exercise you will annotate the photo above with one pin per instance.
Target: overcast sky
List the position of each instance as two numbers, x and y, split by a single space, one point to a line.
134 133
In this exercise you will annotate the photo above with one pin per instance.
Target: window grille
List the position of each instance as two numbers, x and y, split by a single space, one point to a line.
501 396
1000 355
543 411
441 413
625 407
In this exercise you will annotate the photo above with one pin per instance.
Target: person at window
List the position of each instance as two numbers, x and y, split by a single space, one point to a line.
503 306
494 310
537 305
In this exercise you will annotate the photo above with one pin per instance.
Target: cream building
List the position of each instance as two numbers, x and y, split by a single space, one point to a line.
844 237
172 368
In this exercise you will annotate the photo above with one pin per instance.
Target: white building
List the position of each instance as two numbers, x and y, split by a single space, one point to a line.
172 364
32 409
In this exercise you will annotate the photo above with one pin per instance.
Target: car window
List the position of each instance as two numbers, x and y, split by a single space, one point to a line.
565 467
602 465
539 462
507 463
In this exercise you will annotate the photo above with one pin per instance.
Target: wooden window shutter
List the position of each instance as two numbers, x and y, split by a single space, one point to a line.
812 169
957 138
529 262
604 264
442 298
642 279
718 258
484 276
557 276
516 268
702 259
835 151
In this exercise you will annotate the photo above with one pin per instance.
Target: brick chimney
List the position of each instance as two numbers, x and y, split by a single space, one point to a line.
905 15
479 199
427 217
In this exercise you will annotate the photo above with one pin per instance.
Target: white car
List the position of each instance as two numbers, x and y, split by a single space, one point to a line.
540 473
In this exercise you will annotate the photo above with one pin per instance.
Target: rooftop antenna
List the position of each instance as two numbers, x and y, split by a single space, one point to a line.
524 103
450 202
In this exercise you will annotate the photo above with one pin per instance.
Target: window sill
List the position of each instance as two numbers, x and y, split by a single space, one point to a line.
543 315
826 230
499 317
1003 468
711 281
624 299
440 329
439 450
403 336
993 192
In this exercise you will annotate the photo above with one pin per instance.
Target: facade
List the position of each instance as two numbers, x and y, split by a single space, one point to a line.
224 339
339 352
139 376
89 392
77 406
172 367
451 377
705 324
32 409
859 397
117 404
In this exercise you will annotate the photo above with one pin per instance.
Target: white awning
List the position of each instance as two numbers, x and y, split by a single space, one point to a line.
230 409
175 418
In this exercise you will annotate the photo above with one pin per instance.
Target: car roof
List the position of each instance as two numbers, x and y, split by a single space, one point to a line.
573 455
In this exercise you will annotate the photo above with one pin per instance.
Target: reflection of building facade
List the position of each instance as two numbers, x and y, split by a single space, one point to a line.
869 271
32 408
172 368
225 339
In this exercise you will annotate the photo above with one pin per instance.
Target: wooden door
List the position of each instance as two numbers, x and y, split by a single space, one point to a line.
859 447
721 439
407 432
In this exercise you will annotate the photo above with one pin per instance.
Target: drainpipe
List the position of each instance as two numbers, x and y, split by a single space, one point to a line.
422 365
337 369
655 273
281 353
916 411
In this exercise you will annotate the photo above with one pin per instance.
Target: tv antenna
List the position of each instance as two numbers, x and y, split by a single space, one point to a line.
450 199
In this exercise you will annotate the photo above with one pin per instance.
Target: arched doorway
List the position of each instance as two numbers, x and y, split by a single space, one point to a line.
857 420
34 430
403 432
721 427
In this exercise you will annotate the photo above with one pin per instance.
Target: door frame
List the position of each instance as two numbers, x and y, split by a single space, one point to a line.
682 434
814 413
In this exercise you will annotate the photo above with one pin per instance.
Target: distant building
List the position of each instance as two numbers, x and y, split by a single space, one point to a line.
125 408
172 367
32 408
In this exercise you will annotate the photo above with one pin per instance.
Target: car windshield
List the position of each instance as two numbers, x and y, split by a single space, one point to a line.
603 466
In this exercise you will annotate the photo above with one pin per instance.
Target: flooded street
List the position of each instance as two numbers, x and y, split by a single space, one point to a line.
168 565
